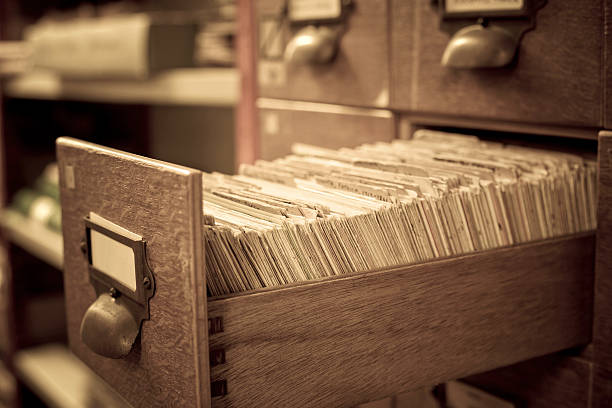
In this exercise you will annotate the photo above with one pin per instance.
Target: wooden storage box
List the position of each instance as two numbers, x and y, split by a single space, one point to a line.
359 73
283 123
557 76
336 342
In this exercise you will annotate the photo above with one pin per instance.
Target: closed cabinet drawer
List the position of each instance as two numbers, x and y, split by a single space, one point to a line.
555 77
356 75
337 341
333 126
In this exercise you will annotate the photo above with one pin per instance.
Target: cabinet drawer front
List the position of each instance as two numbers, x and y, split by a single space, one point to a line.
285 122
358 75
163 204
556 77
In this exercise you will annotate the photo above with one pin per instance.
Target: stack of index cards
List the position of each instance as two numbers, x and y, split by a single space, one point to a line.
321 212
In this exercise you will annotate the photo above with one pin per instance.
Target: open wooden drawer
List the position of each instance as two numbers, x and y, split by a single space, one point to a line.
337 342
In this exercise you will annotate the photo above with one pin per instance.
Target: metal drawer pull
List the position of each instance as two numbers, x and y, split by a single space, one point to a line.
312 45
485 34
477 46
123 282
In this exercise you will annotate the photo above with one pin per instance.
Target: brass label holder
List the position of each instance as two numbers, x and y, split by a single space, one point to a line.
112 322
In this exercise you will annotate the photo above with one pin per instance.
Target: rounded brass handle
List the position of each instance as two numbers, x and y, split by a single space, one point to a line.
312 45
108 328
477 46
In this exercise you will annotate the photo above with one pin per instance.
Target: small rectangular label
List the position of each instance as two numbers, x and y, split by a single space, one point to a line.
471 6
113 258
69 177
272 73
312 10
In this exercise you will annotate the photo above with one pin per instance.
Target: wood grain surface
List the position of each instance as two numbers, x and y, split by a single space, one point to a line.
553 381
607 68
602 325
161 202
556 79
425 120
359 75
345 341
7 331
7 327
281 127
247 137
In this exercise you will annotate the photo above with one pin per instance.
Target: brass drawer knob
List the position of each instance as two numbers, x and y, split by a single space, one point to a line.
477 46
108 327
312 45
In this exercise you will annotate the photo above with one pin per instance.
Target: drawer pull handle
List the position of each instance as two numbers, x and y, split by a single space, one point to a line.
123 282
477 46
312 45
108 327
485 34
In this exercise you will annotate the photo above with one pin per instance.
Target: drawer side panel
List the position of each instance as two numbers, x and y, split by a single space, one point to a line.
349 340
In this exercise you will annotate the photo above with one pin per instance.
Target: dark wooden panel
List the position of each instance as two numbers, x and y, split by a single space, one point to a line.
284 123
554 381
359 75
555 80
7 332
161 202
344 341
602 327
607 73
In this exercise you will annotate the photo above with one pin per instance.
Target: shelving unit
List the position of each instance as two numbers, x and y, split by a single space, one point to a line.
61 380
217 87
185 114
35 238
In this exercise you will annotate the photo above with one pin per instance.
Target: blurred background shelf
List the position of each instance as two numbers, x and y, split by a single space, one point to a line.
34 237
186 86
63 381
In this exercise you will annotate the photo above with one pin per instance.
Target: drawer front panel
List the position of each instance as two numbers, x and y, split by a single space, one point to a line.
284 123
358 75
555 79
163 204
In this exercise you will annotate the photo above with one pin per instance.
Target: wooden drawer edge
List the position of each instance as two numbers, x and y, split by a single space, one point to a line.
379 333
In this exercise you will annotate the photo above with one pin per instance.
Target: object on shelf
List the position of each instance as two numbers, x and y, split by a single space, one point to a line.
198 86
215 44
14 57
132 46
42 203
323 212
34 218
